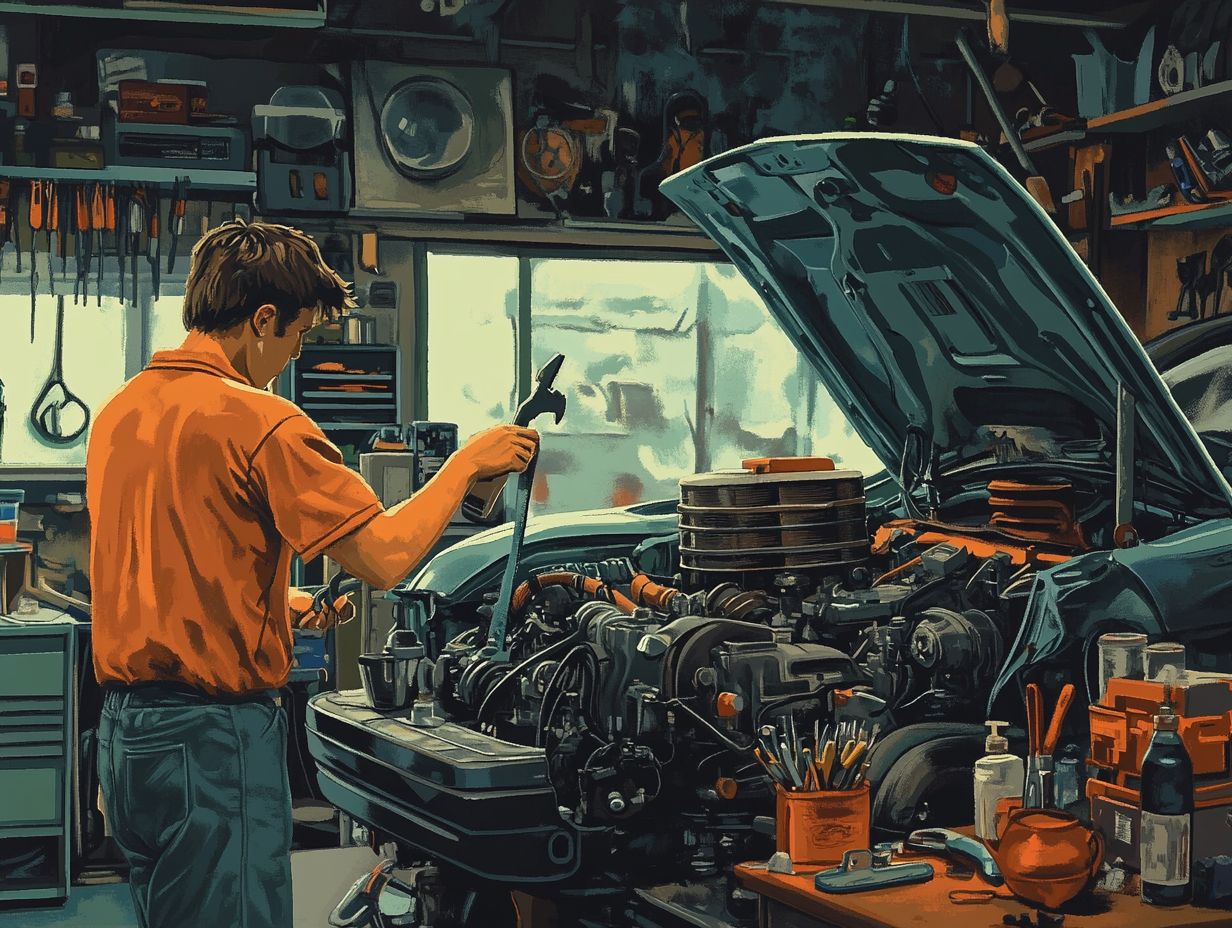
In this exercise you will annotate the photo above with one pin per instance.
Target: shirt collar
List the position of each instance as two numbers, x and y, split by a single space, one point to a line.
205 361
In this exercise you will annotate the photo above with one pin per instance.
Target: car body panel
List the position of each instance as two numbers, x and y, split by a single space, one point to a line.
933 296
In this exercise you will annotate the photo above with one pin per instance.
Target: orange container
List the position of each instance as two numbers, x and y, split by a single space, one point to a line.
816 828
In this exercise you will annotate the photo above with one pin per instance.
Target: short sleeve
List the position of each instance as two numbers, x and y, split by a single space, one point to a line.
315 499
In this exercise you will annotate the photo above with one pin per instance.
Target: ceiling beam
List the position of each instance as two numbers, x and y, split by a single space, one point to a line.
1117 18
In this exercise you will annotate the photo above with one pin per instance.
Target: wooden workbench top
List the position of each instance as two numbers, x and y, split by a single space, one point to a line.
928 904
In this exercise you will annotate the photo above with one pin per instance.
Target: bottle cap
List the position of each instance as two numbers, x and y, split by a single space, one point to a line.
1166 720
996 743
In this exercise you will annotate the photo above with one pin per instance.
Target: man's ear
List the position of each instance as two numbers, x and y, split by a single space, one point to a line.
265 320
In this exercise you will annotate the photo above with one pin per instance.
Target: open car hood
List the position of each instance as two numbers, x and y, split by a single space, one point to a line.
935 299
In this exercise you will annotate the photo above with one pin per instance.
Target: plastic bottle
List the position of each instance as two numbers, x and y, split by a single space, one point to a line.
998 775
1167 814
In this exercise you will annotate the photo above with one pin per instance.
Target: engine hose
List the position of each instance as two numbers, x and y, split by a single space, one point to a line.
518 670
646 592
587 586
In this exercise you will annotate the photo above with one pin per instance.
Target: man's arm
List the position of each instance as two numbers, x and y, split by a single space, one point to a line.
389 546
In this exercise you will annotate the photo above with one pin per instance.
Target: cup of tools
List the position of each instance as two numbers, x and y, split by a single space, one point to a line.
816 827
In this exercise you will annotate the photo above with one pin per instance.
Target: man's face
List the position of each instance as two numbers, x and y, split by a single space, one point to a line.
277 350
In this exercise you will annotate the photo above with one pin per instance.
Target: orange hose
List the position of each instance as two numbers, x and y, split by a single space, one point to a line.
592 587
648 593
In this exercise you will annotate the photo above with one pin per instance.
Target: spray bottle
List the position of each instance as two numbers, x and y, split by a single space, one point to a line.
998 775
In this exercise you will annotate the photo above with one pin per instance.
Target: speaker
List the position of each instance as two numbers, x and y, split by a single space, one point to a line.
432 139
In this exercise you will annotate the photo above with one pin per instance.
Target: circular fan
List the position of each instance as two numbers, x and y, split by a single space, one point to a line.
428 126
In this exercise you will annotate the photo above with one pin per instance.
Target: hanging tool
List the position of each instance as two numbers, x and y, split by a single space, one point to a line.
136 226
110 220
64 224
17 225
51 200
121 240
544 400
175 220
205 217
36 222
6 216
82 233
55 397
154 244
98 222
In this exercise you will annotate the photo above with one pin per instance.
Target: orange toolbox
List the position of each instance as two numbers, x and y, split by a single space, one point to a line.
1124 719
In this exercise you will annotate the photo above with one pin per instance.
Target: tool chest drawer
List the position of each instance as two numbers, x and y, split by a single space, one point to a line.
32 666
37 758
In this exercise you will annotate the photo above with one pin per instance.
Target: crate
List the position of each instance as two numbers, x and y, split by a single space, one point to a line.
1123 721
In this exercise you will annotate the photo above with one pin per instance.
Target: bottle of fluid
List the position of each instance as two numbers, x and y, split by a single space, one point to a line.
998 775
1167 814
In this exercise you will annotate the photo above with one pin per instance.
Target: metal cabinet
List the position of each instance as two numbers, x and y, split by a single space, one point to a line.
36 757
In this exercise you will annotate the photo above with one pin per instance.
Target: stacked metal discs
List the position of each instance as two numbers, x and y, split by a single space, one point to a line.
737 525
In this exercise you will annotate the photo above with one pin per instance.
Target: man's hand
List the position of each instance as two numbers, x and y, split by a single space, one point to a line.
303 616
498 451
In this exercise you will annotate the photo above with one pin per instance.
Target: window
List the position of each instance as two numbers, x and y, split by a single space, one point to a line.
93 369
472 345
671 367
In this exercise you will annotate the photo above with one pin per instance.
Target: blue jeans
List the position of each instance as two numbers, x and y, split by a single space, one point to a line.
197 797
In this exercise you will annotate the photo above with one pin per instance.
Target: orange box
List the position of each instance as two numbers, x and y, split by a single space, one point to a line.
816 828
1122 725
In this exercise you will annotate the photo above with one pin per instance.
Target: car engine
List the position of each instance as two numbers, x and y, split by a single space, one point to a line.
647 693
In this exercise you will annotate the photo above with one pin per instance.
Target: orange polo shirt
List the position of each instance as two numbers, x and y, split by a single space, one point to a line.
200 486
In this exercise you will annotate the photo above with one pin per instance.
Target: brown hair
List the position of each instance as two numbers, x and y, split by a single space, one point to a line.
240 266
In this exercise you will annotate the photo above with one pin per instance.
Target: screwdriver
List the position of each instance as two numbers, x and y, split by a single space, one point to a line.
52 201
36 223
5 216
175 220
154 243
136 225
82 233
98 222
109 222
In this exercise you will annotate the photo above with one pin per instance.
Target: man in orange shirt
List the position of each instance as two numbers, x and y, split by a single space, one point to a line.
201 484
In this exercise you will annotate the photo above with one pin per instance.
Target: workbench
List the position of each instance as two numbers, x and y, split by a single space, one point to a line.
790 901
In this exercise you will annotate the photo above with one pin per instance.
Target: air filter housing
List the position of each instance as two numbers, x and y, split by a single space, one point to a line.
778 514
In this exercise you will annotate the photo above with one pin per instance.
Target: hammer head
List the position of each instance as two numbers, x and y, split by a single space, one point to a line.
544 399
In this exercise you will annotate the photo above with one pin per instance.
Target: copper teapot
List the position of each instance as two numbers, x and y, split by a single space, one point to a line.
1048 856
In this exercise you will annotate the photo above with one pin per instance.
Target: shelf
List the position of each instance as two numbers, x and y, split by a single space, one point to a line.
198 179
566 233
1158 113
177 13
1179 216
320 375
1063 137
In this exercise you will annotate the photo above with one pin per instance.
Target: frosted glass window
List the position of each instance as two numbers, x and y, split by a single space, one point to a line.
472 347
628 330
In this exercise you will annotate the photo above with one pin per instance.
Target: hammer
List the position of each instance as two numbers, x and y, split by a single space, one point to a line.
481 501
544 400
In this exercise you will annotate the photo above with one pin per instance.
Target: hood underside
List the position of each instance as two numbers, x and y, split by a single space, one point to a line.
938 302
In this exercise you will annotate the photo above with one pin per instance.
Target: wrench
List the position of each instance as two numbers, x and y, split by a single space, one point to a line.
544 400
944 841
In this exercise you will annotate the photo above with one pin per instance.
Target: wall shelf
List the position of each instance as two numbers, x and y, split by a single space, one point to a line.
199 179
1179 216
1158 113
137 10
